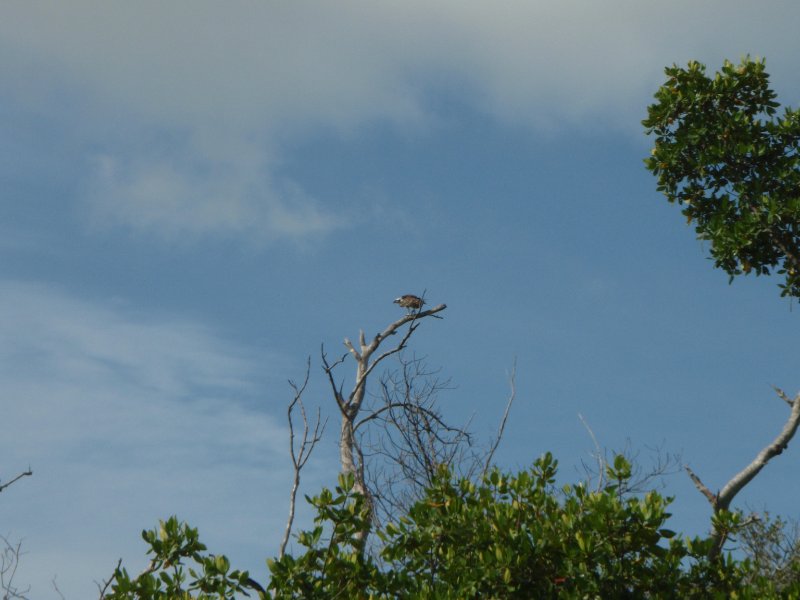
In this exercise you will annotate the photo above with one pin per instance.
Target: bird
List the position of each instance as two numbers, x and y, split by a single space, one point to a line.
410 302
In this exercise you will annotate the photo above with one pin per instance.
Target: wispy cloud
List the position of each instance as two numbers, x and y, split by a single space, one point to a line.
191 103
178 200
127 419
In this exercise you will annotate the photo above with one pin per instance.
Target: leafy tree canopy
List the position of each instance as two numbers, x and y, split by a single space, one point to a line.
722 152
507 536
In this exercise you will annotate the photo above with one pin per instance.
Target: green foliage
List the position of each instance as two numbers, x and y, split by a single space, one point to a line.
724 155
332 565
507 536
166 576
517 537
773 545
513 536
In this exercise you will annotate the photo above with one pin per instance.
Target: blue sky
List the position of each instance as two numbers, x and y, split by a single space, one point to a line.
195 196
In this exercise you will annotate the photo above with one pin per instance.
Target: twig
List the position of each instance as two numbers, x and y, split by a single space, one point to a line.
9 563
512 377
598 453
328 368
55 587
782 395
407 407
110 579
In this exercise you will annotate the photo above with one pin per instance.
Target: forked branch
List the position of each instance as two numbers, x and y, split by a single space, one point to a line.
363 357
721 501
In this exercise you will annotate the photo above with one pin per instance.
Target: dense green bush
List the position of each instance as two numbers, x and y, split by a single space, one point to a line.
507 536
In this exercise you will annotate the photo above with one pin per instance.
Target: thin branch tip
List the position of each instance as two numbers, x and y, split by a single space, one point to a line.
783 395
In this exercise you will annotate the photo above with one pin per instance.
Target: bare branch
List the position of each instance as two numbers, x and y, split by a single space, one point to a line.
102 588
325 362
712 497
55 587
782 395
778 445
18 477
407 407
392 329
349 345
512 384
299 455
9 563
602 462
410 440
365 366
328 368
722 500
401 346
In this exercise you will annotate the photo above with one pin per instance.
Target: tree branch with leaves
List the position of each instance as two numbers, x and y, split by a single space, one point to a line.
723 153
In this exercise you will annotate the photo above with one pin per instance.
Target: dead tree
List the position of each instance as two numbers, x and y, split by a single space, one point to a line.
721 501
350 404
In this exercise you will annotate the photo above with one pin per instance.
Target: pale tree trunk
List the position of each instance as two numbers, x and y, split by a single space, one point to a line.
351 405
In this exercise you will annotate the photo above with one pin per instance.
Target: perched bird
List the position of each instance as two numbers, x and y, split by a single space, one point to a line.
410 302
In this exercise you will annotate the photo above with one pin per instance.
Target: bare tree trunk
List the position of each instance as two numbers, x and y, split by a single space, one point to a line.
347 448
350 406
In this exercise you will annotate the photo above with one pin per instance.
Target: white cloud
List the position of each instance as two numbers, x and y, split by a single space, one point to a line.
125 420
227 84
176 200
